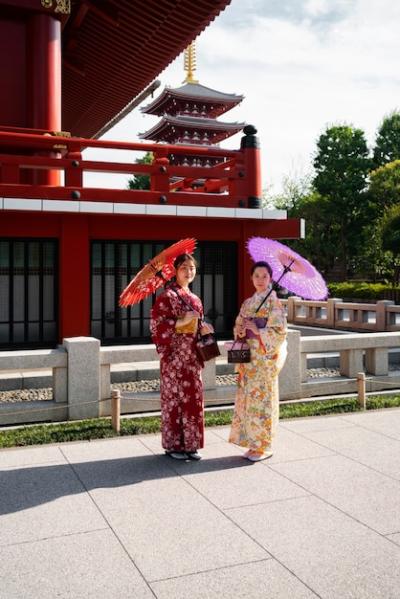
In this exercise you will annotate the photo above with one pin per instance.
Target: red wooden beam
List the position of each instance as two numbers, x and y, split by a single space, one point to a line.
38 142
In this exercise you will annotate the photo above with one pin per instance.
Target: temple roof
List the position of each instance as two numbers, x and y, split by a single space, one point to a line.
165 125
111 52
193 92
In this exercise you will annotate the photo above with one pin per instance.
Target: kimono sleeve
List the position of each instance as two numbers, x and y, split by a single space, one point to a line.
275 332
162 325
242 314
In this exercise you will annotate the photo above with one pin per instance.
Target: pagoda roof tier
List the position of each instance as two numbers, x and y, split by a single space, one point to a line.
112 52
166 128
192 92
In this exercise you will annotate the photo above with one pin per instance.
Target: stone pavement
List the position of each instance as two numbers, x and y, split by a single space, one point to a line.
116 519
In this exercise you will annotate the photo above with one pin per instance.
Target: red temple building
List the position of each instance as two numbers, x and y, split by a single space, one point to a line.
68 70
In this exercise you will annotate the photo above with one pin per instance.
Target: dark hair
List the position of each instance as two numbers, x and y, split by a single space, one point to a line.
181 259
261 264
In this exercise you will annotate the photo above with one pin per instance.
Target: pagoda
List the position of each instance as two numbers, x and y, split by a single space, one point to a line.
189 116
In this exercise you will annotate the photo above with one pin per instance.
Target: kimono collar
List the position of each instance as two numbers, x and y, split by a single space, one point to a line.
260 296
180 290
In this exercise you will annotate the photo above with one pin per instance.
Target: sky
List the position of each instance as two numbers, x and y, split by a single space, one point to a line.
302 65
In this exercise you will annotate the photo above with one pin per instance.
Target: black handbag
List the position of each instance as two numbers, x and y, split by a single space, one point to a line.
207 347
240 354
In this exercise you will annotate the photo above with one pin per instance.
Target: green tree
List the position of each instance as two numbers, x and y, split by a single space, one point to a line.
294 190
390 237
387 143
342 165
141 181
301 201
384 187
383 193
318 246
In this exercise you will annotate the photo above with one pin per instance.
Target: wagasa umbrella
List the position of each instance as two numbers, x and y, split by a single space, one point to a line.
155 273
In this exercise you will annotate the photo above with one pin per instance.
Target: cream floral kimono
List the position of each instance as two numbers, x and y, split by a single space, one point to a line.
257 401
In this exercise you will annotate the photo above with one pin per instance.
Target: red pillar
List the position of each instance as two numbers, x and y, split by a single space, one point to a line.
246 288
44 79
252 166
74 304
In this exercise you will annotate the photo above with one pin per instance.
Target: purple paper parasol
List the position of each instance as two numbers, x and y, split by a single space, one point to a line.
289 269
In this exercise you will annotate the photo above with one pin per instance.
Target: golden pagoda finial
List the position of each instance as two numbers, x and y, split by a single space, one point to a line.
190 63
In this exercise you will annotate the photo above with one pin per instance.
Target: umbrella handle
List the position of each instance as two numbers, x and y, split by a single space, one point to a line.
285 271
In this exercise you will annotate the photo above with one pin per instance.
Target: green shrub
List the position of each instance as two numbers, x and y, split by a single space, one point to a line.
360 290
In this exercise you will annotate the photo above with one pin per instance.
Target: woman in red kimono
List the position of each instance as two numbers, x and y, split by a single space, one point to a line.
174 323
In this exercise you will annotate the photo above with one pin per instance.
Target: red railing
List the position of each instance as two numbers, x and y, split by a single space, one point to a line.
31 163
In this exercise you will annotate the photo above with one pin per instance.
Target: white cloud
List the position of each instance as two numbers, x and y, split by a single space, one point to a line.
301 66
318 7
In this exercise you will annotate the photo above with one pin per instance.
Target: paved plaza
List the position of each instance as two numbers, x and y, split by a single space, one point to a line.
117 519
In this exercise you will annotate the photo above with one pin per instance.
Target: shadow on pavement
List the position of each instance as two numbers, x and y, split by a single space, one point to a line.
24 488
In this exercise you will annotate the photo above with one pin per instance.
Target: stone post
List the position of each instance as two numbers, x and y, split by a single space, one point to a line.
330 311
105 381
303 365
291 308
290 375
208 374
351 362
60 385
377 361
83 377
380 322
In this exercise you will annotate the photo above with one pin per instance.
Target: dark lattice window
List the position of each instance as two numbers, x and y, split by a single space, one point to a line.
28 293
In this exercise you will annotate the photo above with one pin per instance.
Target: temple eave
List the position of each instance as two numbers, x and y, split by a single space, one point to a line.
162 131
221 102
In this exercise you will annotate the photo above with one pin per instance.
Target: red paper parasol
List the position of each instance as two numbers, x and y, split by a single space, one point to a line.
297 274
156 273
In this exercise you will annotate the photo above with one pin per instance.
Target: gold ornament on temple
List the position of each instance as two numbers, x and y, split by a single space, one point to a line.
190 63
63 7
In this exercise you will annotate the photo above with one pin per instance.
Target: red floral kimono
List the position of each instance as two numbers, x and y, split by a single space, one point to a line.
182 403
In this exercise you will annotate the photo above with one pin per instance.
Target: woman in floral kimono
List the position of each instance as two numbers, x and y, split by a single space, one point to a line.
174 325
257 401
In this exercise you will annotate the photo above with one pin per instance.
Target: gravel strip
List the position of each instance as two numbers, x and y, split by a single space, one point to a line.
18 395
316 373
143 386
153 385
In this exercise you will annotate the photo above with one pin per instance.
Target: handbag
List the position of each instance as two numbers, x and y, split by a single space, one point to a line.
241 354
207 347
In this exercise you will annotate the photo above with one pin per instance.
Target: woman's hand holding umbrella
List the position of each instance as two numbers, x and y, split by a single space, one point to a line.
251 325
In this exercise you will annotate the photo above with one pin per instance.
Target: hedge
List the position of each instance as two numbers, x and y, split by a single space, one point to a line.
364 291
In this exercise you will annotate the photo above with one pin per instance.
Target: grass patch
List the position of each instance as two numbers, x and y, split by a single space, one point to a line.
100 428
319 408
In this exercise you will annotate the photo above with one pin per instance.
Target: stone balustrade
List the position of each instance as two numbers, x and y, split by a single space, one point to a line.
55 360
82 372
350 316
